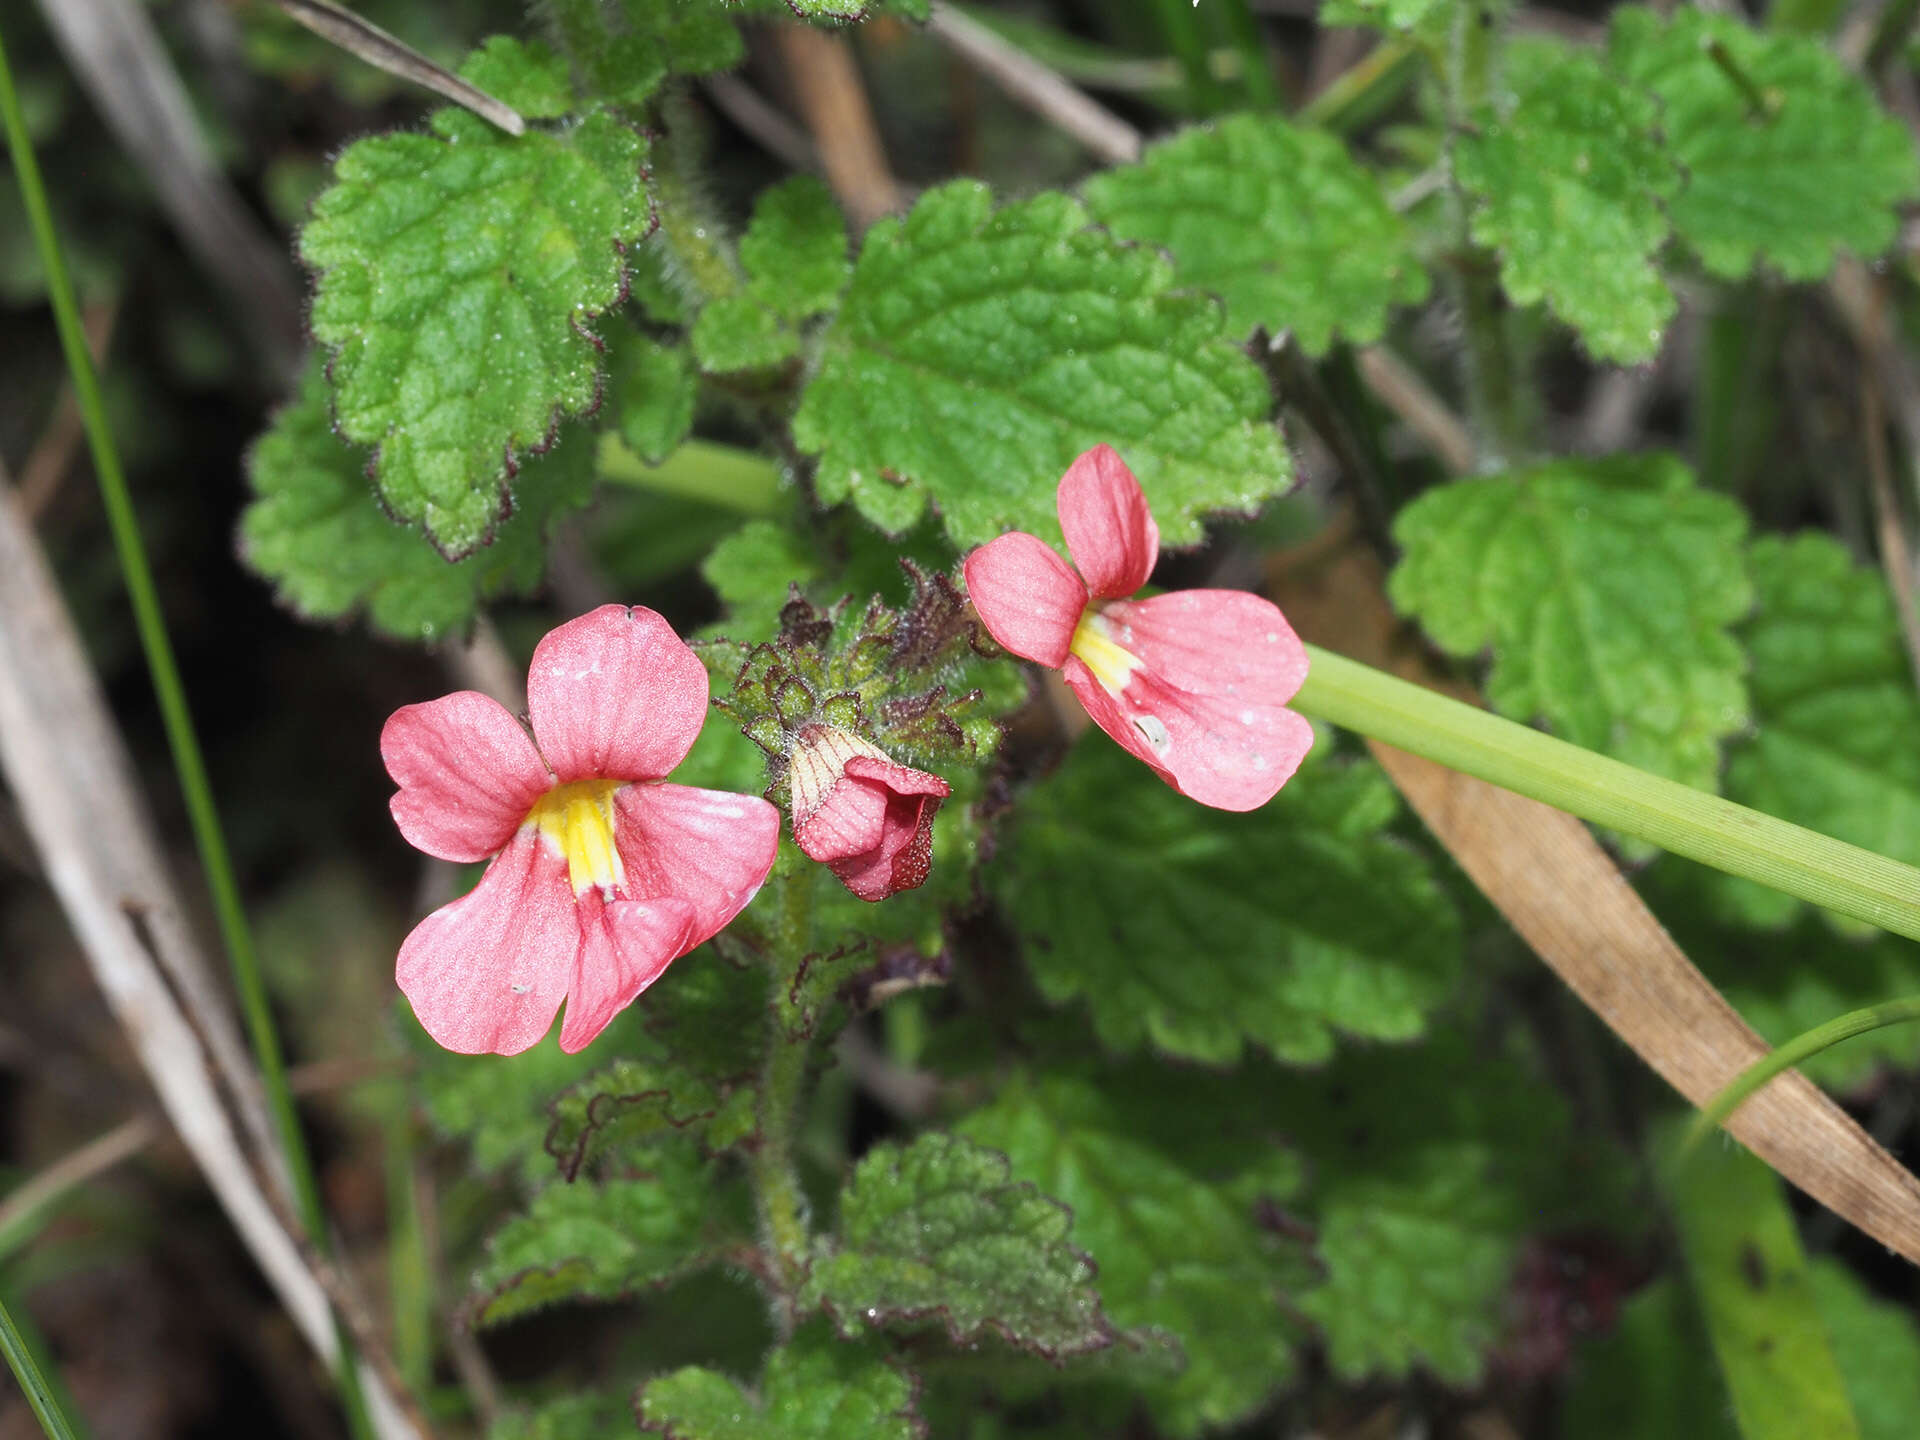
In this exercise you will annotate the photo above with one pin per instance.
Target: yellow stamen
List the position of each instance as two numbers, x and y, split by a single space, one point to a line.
1111 664
577 820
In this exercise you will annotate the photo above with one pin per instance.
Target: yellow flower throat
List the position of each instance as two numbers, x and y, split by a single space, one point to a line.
1112 664
577 820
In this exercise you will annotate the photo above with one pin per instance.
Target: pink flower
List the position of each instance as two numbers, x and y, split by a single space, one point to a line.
1195 683
601 874
866 818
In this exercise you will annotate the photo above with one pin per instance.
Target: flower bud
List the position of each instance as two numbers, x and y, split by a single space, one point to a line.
866 818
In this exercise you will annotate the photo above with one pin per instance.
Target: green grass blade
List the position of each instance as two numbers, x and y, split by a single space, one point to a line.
33 1382
1749 1272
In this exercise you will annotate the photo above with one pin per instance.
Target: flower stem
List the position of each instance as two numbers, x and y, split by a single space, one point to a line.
1803 863
33 1384
777 1194
188 763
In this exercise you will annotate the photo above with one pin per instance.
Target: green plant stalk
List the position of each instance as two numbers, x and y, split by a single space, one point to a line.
717 475
1802 1047
1365 91
1803 863
1493 397
33 1384
777 1193
175 715
690 229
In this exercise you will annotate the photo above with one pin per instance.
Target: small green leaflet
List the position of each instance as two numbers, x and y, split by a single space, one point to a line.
1568 187
1835 711
315 529
1605 589
1276 220
1429 1162
603 1241
979 351
795 254
1787 157
1194 930
1177 1252
587 1416
654 390
939 1230
457 273
814 1388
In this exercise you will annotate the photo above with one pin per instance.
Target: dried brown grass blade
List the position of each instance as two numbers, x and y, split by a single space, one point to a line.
1563 894
367 41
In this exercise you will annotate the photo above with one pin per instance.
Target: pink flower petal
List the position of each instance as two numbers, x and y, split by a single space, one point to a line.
1027 596
711 849
615 695
1110 533
1207 705
487 972
873 826
625 945
467 774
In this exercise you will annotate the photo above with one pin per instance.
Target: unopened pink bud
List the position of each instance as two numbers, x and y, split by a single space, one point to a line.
866 818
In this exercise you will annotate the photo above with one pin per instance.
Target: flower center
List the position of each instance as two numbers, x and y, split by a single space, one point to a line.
577 820
1111 664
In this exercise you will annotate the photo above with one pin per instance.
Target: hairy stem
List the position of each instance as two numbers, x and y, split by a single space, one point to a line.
1803 863
778 1196
1493 395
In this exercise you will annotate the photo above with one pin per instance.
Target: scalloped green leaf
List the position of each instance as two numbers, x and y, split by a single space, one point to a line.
1179 1251
1196 931
940 1230
1568 186
1787 156
691 37
814 1388
1834 708
1605 590
528 75
978 351
603 1241
795 249
737 332
316 531
1275 219
458 271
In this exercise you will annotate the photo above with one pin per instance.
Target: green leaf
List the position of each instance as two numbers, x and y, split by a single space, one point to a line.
654 389
1175 1251
1834 710
1429 1163
940 1230
1604 589
814 1388
1787 156
750 571
1652 1378
458 270
1569 186
1276 220
1195 930
499 1104
979 351
693 37
588 1416
603 1241
528 76
737 332
1750 1275
795 249
315 529
1877 1347
684 1078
